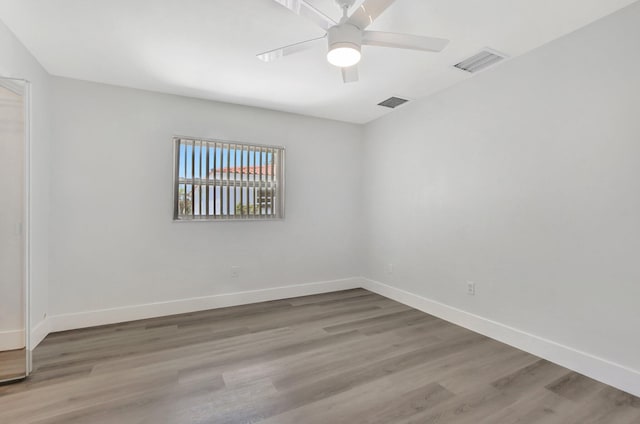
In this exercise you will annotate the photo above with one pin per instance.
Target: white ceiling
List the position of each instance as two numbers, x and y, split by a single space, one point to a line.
207 48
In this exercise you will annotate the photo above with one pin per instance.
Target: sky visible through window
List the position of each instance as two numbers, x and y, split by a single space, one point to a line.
237 158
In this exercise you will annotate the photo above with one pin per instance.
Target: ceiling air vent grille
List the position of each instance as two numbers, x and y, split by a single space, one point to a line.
480 61
393 102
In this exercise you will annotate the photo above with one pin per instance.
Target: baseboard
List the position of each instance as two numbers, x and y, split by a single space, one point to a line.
73 321
600 369
39 332
12 339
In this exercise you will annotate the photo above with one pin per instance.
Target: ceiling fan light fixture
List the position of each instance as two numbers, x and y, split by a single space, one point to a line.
344 56
344 45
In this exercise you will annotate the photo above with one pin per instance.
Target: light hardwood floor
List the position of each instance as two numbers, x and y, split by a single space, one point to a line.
344 357
13 364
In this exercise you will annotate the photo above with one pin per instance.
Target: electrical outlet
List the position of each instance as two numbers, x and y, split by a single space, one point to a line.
235 271
389 268
471 288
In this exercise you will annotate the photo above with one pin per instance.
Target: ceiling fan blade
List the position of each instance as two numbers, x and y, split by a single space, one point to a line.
302 8
350 74
368 11
404 41
276 54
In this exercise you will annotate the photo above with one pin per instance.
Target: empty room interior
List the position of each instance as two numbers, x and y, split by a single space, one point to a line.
320 211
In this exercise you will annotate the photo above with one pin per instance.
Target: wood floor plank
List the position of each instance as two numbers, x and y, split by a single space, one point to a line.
13 364
344 357
574 386
539 406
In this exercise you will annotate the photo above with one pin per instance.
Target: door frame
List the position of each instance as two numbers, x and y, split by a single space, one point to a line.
23 86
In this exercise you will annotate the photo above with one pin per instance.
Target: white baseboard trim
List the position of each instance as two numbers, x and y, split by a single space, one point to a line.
77 320
39 332
12 339
600 369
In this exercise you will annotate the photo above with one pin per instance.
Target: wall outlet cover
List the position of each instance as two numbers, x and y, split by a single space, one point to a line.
471 288
235 271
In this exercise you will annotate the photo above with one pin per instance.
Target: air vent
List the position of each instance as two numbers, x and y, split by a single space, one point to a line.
393 102
480 61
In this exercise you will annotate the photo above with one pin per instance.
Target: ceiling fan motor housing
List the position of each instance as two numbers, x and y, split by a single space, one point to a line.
345 3
344 35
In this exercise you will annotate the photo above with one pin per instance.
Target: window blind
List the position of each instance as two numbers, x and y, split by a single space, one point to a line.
222 180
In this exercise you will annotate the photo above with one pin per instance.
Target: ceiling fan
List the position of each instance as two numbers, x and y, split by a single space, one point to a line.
348 36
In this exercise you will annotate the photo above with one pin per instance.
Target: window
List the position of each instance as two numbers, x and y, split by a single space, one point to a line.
221 180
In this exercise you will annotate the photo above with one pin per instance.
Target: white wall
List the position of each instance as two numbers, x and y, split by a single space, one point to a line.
17 62
526 180
113 242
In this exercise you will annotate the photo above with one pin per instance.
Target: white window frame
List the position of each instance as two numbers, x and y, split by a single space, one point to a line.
267 184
